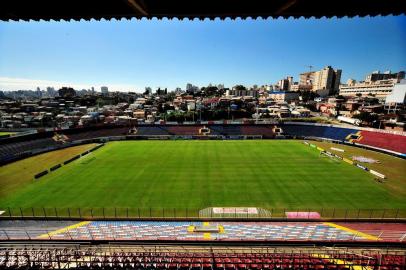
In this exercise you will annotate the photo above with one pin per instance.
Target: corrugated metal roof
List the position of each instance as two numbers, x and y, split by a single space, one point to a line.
194 9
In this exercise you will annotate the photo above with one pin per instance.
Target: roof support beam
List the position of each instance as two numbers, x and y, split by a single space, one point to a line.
285 7
137 7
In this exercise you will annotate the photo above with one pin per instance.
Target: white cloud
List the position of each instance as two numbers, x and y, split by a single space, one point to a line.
9 84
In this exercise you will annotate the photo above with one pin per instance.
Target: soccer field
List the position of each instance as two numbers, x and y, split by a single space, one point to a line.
198 174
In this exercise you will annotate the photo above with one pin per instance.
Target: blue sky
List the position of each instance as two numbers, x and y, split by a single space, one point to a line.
130 55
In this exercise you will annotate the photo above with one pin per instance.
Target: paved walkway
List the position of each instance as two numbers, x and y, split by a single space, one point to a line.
202 231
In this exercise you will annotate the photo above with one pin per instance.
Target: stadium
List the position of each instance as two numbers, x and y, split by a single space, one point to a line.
213 195
171 190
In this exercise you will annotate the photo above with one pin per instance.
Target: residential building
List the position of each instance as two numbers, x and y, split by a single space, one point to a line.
387 75
300 87
351 82
285 84
51 92
376 84
325 82
104 90
306 78
373 87
378 89
284 96
191 88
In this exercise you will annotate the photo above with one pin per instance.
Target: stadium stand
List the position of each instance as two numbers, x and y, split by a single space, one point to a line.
151 130
79 134
114 258
264 131
23 148
392 232
227 130
387 141
334 133
194 231
184 130
213 130
13 148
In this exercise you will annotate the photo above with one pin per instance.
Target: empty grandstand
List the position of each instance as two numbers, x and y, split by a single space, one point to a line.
150 130
184 130
392 142
79 234
320 131
12 148
197 257
10 151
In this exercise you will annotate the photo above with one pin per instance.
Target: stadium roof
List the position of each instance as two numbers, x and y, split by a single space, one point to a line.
191 9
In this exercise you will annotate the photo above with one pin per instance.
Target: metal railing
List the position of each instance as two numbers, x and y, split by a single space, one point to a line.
195 213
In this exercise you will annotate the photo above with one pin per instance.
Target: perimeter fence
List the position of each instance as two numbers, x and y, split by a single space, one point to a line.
196 213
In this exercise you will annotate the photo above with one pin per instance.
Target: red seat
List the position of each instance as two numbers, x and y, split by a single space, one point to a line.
387 141
242 266
185 266
230 266
173 266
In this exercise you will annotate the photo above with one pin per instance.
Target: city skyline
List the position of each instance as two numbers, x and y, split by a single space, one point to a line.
26 84
131 55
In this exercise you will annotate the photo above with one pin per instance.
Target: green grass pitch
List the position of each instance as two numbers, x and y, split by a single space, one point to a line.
199 174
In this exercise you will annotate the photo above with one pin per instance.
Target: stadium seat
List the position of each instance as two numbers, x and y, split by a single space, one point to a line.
15 149
333 133
92 259
184 130
386 141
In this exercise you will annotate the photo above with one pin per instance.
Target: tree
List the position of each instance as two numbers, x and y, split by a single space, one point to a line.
209 91
170 96
240 87
100 102
146 92
308 95
367 117
221 92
